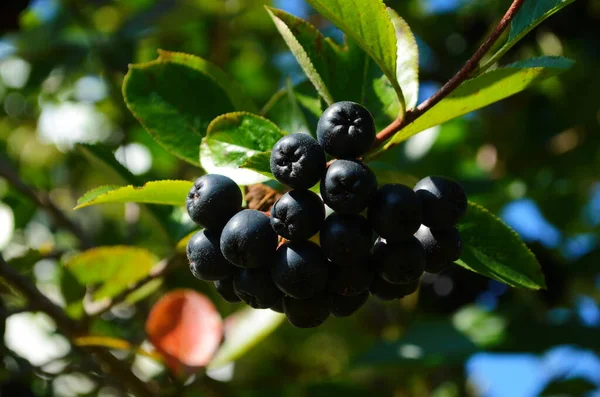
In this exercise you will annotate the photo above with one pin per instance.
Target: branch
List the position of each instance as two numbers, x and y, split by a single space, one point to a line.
463 74
71 329
163 268
44 202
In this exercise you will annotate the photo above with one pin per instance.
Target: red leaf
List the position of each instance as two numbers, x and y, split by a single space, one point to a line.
186 329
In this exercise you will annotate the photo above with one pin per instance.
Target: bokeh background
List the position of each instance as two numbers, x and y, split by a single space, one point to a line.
533 159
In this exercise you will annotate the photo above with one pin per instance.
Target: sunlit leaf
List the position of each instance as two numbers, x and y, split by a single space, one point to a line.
175 98
186 329
244 330
165 192
232 139
494 250
407 60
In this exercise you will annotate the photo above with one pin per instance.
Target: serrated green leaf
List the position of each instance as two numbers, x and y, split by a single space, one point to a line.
531 14
232 139
407 60
483 90
284 110
248 328
368 24
113 268
425 343
494 250
176 96
166 192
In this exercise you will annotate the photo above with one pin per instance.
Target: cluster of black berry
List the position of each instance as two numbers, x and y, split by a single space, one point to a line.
405 231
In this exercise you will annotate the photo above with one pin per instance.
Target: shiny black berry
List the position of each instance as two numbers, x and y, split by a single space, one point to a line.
248 240
278 307
256 288
399 262
387 291
344 306
394 212
350 280
346 130
346 239
307 313
443 200
442 247
298 215
300 269
213 200
225 289
348 186
297 160
204 255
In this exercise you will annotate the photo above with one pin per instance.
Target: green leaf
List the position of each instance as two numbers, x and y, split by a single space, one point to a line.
388 174
494 250
114 268
407 60
176 96
232 139
284 110
569 387
261 163
425 342
248 328
166 192
115 344
531 14
367 23
483 90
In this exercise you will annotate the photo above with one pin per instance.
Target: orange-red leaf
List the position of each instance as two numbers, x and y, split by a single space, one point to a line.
186 329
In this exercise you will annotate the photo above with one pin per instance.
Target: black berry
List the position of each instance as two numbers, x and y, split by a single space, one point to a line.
213 200
346 239
256 288
344 306
442 247
205 258
298 215
346 130
399 262
443 200
301 269
387 291
278 307
248 240
348 186
350 280
297 160
394 212
225 289
307 313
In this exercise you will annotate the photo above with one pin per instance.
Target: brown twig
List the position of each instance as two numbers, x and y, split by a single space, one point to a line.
43 201
71 329
463 74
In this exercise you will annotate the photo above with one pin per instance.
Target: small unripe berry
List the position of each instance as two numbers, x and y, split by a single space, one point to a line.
394 212
213 200
443 200
248 240
206 260
442 247
307 313
298 215
256 288
399 262
298 161
348 186
300 269
346 130
225 289
346 239
344 306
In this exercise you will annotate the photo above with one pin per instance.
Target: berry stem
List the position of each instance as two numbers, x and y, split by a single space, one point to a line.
463 74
